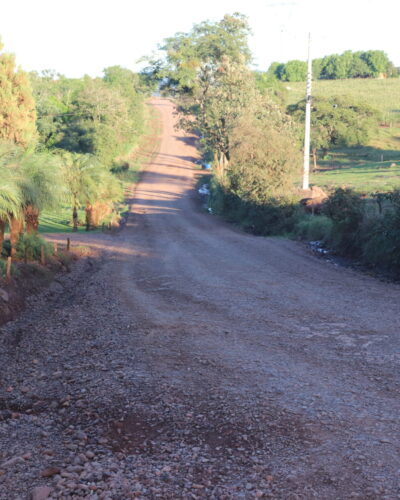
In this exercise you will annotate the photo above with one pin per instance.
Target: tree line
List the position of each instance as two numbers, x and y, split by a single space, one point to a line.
61 140
361 64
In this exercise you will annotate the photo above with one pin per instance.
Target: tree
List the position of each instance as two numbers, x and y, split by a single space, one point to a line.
40 185
29 184
359 67
295 71
80 175
316 68
265 156
219 101
191 57
337 121
377 61
53 94
87 182
207 68
17 107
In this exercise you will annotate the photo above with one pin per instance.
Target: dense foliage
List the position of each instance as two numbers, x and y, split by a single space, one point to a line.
337 121
98 116
362 64
17 107
59 141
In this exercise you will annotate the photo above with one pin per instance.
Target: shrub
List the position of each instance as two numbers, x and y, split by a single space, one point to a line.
381 238
346 210
314 228
274 216
29 247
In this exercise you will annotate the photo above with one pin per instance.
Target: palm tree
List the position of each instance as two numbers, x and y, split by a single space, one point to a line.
29 183
10 193
108 190
81 175
41 186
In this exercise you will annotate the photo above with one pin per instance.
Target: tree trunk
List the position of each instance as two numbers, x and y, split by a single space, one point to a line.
314 153
2 231
31 219
75 219
89 216
16 228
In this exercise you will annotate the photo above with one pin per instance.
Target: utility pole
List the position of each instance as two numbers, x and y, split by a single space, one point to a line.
306 168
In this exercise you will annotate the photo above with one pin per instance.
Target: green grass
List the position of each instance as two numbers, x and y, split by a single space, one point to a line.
384 95
60 221
364 177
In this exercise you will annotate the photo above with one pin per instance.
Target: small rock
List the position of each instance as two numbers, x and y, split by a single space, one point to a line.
90 454
41 492
51 471
4 295
12 461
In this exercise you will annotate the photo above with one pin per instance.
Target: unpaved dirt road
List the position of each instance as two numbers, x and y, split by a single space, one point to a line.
191 360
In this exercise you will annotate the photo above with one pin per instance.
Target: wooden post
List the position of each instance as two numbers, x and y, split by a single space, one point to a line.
8 269
68 244
55 248
42 256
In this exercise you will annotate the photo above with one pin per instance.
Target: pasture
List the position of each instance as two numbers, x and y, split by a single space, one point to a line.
368 168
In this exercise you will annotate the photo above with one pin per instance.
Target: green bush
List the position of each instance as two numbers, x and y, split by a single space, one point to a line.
29 247
314 228
381 238
346 210
273 217
6 250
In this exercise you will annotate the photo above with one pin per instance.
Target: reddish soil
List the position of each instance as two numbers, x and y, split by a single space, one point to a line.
195 361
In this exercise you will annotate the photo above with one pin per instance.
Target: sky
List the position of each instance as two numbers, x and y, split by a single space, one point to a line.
77 37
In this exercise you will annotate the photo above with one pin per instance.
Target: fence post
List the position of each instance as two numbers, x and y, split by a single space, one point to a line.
42 256
55 248
68 244
8 269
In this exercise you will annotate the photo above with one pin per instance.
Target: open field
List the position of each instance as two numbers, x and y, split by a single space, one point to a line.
363 177
384 95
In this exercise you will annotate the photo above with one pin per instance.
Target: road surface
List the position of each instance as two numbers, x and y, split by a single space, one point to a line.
192 360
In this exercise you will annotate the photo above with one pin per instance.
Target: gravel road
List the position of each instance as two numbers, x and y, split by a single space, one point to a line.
188 360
